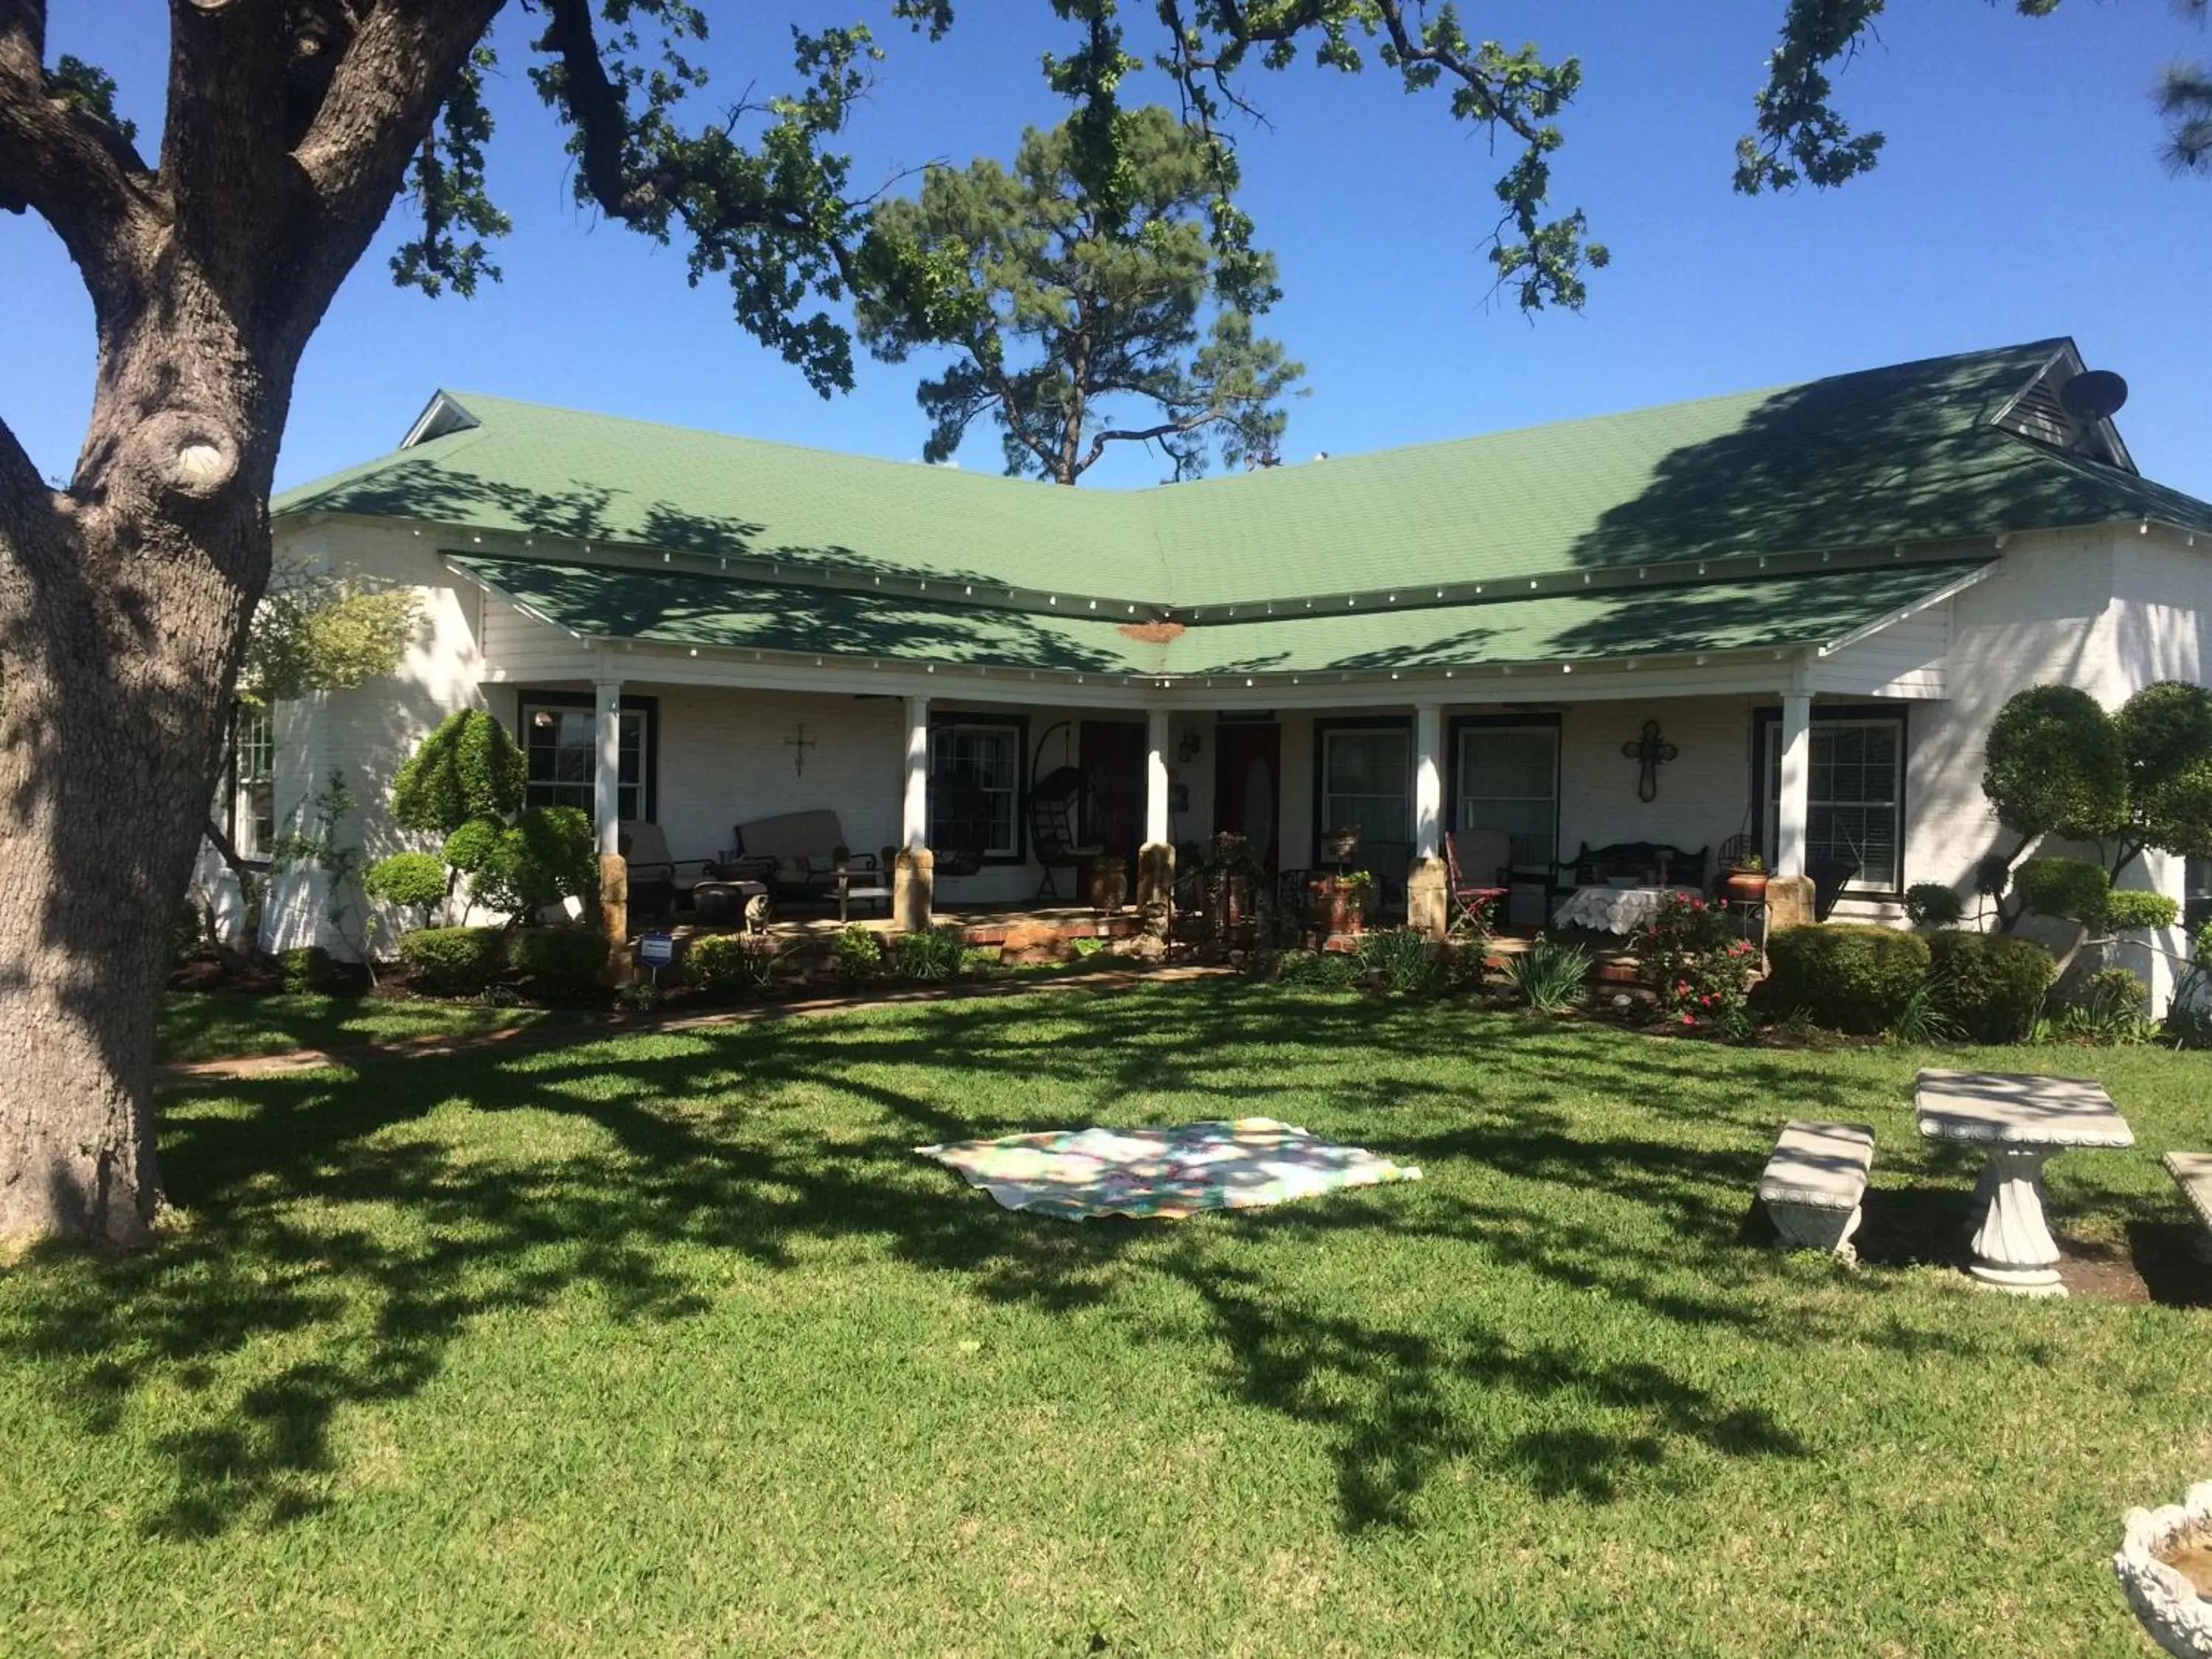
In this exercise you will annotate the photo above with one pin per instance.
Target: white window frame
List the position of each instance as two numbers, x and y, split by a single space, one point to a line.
1326 796
631 798
1771 771
1014 734
1465 818
254 768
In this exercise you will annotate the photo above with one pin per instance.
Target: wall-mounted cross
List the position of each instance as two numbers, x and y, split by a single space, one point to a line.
799 746
1651 751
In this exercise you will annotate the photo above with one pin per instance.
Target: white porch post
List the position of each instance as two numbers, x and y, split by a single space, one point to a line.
1426 904
1428 780
1156 857
606 822
913 880
1796 781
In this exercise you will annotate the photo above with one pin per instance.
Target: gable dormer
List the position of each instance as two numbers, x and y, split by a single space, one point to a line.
2042 412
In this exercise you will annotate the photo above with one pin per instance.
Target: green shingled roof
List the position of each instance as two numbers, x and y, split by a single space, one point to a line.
1903 454
607 601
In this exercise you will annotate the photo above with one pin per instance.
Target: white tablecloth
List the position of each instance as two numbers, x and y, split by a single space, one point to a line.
1614 909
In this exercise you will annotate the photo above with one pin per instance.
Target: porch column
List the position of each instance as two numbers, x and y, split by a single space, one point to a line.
1797 783
1426 906
1156 857
606 821
915 879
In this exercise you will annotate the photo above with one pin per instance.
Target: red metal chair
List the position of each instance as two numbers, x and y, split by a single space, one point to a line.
1474 890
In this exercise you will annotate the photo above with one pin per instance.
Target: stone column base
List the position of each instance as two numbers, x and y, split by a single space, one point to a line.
1427 905
913 883
1788 902
1155 869
614 916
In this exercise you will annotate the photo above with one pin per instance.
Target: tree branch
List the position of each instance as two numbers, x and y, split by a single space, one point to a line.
1164 429
77 172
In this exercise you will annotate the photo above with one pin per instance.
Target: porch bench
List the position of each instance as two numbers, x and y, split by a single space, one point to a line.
2192 1173
1813 1183
797 852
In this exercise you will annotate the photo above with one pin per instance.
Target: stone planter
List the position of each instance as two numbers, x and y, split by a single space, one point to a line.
2178 1615
1110 886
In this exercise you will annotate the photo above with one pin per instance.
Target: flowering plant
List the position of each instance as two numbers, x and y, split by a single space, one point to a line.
1699 971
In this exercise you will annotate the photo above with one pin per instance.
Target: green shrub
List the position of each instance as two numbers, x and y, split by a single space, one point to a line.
412 881
1327 970
306 967
2073 888
558 962
927 957
1931 904
1550 977
1846 976
857 955
546 855
1400 958
2110 1006
454 961
468 768
730 962
2127 909
1989 985
981 959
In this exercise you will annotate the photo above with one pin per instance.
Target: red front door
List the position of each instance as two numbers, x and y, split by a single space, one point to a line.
1248 788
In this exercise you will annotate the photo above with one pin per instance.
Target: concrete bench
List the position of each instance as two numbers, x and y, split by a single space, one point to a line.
1813 1183
2192 1173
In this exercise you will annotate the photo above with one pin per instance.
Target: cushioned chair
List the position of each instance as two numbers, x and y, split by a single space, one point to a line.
796 853
657 882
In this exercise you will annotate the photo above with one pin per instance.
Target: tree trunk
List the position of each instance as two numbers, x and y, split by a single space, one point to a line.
124 605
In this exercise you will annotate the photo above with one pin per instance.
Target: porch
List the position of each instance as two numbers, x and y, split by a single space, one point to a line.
989 814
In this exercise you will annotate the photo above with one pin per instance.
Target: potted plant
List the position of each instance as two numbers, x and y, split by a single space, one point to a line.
1339 904
1110 885
1747 880
1339 847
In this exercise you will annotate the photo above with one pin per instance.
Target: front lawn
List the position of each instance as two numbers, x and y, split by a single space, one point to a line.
667 1343
219 1024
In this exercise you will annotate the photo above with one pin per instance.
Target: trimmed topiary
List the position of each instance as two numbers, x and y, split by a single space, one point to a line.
468 768
1931 904
1846 976
1990 985
411 881
2073 888
454 961
2129 909
558 962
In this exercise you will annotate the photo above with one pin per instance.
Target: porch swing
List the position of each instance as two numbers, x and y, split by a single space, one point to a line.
1057 804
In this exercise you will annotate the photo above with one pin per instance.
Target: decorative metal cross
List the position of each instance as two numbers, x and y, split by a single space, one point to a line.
1651 751
799 746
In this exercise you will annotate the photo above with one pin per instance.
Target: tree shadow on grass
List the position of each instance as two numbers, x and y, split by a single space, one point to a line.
346 1232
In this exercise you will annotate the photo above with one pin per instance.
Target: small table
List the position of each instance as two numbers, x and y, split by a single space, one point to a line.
2020 1122
1614 909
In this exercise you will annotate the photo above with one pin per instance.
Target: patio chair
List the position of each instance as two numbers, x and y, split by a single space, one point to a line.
1478 884
1053 799
656 880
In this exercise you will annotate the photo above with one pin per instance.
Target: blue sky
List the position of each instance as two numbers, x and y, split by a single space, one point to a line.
2020 197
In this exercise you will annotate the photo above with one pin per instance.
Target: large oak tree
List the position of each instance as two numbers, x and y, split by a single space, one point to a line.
290 128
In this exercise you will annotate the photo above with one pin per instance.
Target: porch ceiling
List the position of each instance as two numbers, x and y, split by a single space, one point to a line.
605 602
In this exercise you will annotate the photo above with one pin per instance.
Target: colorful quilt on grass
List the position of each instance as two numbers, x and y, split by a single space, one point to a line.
1165 1172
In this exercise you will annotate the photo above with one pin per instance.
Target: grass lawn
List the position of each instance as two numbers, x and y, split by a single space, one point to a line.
217 1024
667 1344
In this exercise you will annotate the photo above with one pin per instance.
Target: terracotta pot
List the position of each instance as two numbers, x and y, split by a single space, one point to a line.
1746 886
1334 905
1110 887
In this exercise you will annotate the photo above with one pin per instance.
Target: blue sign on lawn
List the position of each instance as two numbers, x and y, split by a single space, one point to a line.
655 950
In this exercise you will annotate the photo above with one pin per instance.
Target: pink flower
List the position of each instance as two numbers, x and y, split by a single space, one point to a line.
1689 1019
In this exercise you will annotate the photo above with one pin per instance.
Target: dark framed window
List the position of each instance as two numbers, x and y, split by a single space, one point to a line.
1855 806
984 753
1506 777
561 748
252 819
1363 780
